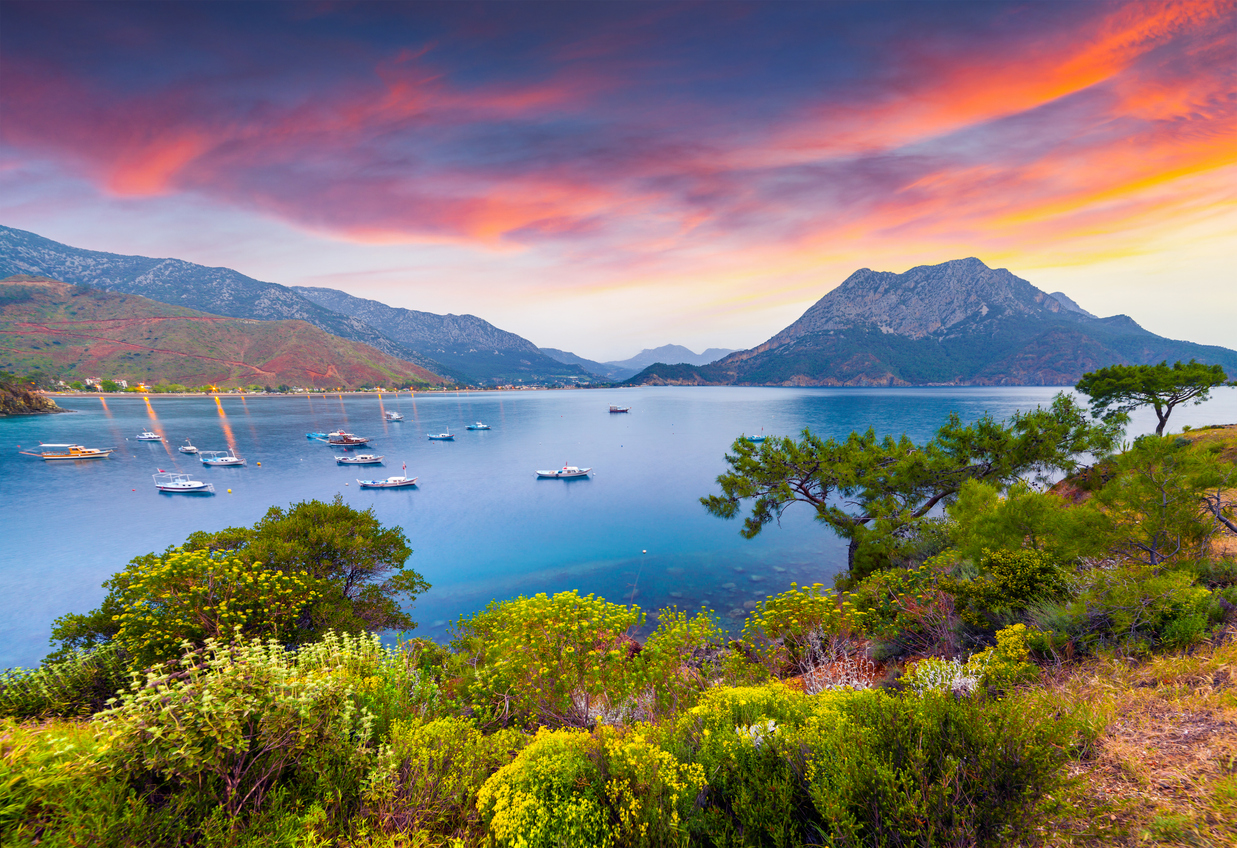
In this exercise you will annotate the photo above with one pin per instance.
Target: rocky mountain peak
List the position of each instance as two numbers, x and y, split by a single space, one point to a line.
925 300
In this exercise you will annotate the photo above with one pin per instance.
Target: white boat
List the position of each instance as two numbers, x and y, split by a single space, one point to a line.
393 416
147 436
359 459
170 481
220 458
187 447
441 437
478 426
391 482
50 452
565 472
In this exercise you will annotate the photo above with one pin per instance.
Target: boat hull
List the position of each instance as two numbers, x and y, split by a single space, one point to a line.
561 474
389 483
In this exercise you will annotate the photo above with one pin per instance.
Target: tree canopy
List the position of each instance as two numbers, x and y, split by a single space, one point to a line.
1118 389
874 491
327 566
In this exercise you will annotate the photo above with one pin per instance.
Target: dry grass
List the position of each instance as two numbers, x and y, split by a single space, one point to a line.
1164 771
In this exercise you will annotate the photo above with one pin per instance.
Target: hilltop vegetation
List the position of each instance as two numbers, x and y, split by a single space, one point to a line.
1030 666
79 332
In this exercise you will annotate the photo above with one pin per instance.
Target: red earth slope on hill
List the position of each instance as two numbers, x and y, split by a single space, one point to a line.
77 332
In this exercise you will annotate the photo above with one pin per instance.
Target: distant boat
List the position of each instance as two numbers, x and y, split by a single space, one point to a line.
170 481
620 409
565 471
757 439
187 447
68 452
398 482
348 440
220 458
147 436
478 426
393 416
441 437
359 459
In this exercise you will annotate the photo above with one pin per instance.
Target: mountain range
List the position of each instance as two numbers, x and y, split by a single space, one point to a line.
77 332
625 368
957 323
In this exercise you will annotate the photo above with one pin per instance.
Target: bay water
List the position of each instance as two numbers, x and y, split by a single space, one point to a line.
481 525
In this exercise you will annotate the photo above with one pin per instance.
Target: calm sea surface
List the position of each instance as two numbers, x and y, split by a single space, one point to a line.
480 524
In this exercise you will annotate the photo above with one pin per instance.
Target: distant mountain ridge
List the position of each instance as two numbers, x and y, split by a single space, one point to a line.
957 323
77 332
624 368
219 291
465 343
463 347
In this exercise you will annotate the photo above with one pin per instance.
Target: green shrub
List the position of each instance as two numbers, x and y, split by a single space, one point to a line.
572 788
1011 581
56 790
551 660
791 625
757 793
1132 608
227 721
77 686
386 682
427 776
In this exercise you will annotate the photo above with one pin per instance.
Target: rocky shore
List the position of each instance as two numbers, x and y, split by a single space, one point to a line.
15 400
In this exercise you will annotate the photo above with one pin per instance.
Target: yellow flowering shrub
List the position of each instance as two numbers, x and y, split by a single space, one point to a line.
569 787
192 596
427 776
546 659
792 623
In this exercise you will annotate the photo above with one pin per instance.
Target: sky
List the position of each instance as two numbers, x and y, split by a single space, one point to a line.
603 177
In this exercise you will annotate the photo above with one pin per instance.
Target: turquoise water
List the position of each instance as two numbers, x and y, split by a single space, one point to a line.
480 524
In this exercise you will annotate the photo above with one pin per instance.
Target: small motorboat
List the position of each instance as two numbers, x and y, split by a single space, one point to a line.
187 447
359 459
68 452
399 482
348 440
392 416
170 481
757 439
566 471
221 459
441 437
478 426
620 409
147 436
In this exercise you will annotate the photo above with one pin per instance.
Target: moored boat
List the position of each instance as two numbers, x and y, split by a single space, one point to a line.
393 416
620 409
441 437
147 436
566 471
68 452
478 426
170 481
347 440
187 447
359 459
220 459
396 482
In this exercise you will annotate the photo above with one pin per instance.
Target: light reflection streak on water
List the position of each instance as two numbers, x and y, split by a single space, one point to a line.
150 410
382 410
227 428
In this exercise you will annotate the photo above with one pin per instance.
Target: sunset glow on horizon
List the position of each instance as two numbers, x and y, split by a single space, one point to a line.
603 177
